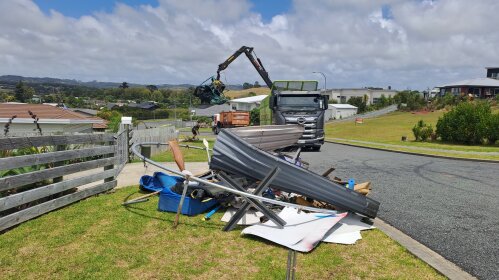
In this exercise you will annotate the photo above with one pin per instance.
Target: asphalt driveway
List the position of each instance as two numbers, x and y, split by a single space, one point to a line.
451 206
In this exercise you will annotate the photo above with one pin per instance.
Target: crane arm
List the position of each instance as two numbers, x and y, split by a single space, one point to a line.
248 51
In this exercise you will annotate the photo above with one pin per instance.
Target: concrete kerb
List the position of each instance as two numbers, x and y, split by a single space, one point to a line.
412 153
429 256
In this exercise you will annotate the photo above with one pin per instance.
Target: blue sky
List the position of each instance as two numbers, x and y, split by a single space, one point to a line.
77 8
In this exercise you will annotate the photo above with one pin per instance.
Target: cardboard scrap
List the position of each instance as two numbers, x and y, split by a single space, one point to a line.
302 232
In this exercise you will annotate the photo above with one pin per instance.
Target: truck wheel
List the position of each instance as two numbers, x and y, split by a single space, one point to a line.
316 148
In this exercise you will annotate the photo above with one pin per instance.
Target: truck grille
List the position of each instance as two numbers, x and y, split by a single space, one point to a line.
310 124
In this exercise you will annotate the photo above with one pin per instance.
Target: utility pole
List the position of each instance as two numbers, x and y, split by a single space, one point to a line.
325 80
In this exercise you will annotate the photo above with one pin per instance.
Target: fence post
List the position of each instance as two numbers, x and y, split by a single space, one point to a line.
127 122
108 167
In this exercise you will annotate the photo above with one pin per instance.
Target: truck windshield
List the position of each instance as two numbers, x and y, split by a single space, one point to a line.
299 102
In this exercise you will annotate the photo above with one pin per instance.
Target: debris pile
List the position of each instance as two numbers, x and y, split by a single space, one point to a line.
266 185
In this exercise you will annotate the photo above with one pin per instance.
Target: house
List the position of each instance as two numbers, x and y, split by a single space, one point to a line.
246 103
487 87
479 87
492 72
19 118
373 94
148 105
340 111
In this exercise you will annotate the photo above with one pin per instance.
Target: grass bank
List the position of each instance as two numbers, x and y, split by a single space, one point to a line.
97 238
390 128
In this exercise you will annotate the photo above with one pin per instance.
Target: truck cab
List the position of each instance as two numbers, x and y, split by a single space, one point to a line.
299 102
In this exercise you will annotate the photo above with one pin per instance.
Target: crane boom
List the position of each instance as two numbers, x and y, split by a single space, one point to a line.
248 51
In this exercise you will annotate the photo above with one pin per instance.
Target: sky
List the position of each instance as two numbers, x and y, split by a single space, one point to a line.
405 44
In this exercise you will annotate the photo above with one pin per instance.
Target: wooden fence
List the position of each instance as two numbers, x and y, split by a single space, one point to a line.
35 183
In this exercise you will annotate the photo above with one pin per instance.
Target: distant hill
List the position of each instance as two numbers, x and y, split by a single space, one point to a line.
246 92
9 80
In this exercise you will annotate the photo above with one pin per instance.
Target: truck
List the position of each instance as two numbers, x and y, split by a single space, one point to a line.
289 102
297 102
230 119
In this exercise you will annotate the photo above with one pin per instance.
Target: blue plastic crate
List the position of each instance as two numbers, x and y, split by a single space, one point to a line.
168 200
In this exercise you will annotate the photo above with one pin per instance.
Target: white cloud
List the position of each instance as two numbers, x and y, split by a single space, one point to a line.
425 43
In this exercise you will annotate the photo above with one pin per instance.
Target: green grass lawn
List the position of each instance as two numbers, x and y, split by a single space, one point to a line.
97 238
390 128
190 155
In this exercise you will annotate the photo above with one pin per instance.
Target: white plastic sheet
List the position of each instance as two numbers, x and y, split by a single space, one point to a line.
347 231
302 232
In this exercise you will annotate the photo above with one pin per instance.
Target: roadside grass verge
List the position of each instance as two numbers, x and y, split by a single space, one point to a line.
390 128
97 238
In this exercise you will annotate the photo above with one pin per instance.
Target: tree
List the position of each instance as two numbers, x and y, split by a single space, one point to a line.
256 85
359 102
23 93
152 88
247 85
124 85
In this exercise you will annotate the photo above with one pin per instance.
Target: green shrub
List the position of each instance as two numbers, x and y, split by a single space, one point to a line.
412 99
493 129
255 116
202 119
466 123
422 131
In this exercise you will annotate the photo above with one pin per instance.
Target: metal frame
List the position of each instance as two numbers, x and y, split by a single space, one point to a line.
265 183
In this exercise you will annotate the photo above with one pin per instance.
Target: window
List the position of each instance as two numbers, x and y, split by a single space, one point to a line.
456 91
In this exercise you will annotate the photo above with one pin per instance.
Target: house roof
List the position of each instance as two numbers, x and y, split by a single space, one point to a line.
343 106
45 113
251 99
144 105
478 82
84 111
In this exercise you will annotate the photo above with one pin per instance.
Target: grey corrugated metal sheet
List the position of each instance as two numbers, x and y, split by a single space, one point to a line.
270 137
233 155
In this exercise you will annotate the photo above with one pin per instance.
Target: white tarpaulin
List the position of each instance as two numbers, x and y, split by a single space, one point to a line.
302 232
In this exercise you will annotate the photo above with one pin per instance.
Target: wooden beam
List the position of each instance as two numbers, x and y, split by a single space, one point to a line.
10 182
30 160
41 192
37 210
38 141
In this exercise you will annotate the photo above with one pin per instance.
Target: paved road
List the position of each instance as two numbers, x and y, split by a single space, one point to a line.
451 206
